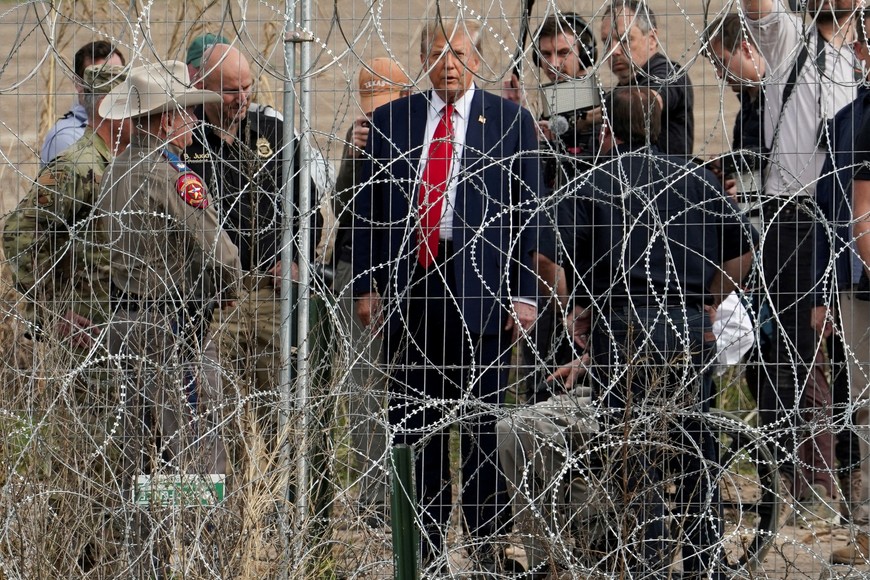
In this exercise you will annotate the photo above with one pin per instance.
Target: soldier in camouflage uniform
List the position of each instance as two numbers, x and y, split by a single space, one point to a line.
59 264
172 265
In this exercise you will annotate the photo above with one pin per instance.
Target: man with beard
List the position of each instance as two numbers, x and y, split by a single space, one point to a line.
239 153
817 66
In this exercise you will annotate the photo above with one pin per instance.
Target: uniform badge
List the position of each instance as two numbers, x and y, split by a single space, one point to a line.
47 185
192 190
264 148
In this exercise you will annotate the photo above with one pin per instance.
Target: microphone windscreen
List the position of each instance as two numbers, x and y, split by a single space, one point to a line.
559 125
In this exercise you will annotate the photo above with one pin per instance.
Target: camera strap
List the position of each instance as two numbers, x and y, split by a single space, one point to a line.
788 89
799 65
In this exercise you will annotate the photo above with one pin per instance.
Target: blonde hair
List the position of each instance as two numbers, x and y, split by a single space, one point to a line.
437 28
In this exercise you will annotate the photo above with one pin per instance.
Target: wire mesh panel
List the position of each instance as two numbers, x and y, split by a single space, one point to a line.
599 264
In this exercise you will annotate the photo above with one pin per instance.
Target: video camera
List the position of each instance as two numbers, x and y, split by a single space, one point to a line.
564 103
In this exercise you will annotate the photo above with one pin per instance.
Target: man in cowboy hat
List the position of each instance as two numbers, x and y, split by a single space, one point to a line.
172 263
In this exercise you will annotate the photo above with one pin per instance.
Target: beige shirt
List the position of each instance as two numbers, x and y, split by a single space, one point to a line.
163 228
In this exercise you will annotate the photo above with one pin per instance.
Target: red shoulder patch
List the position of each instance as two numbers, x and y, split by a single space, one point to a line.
192 190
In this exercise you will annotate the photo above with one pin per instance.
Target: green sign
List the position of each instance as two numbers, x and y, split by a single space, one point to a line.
180 490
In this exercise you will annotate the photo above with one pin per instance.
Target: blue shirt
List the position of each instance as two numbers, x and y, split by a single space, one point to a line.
68 129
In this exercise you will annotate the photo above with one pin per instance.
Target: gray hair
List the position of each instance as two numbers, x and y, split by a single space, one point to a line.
644 17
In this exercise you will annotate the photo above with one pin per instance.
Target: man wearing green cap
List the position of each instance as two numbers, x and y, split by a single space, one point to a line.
60 265
197 47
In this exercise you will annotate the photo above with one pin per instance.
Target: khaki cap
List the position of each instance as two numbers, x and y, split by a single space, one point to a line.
102 78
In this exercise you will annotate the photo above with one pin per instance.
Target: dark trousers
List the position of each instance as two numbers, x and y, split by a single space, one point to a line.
847 453
786 369
442 375
653 378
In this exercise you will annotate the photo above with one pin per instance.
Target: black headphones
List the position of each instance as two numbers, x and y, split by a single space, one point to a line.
572 22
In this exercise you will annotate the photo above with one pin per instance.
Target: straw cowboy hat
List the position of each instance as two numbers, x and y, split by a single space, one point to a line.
153 89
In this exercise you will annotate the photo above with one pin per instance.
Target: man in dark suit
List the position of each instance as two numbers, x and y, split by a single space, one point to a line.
450 285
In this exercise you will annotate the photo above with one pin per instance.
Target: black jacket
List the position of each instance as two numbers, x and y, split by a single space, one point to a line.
246 179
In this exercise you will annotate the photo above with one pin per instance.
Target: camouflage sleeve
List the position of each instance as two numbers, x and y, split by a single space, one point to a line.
36 235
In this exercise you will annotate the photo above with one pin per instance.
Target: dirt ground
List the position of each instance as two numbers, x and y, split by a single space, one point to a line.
35 90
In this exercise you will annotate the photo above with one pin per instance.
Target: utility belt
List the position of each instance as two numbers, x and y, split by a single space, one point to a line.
192 316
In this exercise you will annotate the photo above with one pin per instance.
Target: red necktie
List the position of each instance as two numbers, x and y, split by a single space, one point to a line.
436 174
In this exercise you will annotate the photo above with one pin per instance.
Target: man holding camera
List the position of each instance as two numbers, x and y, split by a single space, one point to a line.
565 51
629 34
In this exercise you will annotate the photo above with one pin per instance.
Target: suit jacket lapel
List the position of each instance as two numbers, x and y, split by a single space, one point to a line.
475 128
472 154
417 129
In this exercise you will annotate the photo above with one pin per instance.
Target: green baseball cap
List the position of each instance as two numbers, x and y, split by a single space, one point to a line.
102 78
198 46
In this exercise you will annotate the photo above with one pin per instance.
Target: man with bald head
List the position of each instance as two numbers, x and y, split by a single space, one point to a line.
239 153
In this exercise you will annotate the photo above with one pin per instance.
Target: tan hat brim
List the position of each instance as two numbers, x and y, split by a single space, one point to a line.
127 104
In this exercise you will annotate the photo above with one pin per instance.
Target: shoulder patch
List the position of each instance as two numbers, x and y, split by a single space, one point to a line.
46 185
264 149
191 189
46 179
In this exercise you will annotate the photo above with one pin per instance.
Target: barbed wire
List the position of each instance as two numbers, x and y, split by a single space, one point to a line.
154 439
